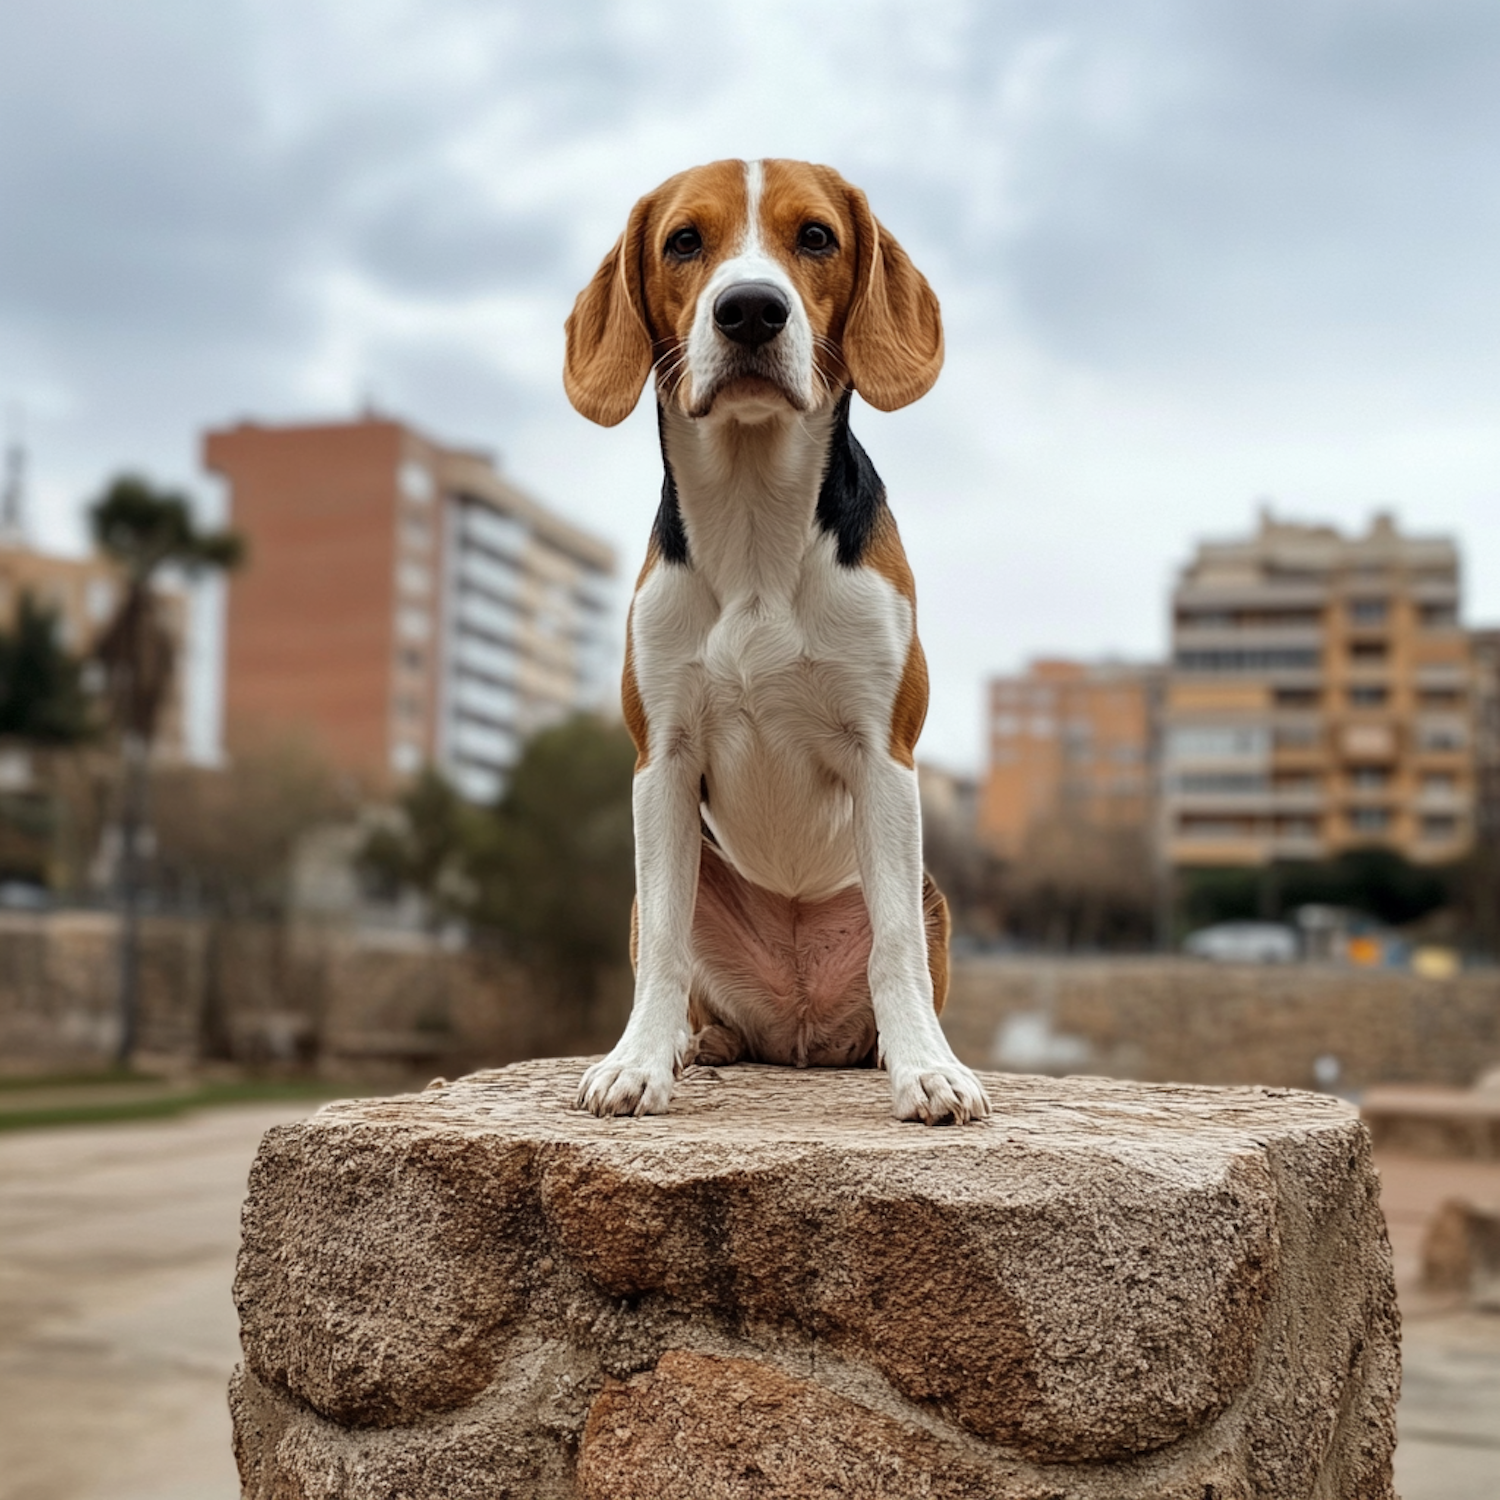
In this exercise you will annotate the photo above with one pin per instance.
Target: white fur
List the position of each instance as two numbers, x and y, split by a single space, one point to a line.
771 671
789 357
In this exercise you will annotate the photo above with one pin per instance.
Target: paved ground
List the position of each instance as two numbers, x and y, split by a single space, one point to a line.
117 1333
116 1329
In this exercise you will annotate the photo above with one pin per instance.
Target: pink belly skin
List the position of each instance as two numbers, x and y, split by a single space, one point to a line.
780 980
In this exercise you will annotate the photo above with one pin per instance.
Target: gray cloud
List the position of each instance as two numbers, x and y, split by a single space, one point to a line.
1192 251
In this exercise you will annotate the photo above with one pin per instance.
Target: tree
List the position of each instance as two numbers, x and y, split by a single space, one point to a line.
548 871
429 847
43 706
555 873
145 530
42 699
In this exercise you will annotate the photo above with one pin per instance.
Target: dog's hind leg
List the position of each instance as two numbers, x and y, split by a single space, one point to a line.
714 1045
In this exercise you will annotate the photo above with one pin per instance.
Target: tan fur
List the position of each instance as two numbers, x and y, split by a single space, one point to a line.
876 319
939 927
909 711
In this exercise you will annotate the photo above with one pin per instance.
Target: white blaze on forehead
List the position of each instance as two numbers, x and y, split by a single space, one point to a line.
788 358
755 182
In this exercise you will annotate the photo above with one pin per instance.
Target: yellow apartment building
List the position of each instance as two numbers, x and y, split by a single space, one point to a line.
1320 698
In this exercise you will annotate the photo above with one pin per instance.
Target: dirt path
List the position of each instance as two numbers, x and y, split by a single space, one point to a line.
117 1333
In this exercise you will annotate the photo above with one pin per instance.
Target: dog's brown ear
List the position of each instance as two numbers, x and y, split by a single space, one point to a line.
893 337
609 351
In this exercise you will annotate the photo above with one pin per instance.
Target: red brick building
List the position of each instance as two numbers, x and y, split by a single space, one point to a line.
402 603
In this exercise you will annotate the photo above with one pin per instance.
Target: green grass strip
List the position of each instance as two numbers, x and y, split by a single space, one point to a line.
165 1106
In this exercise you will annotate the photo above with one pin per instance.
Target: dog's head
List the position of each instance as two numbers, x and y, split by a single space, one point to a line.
752 286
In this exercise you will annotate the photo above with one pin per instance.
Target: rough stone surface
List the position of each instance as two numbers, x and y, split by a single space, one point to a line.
1107 1290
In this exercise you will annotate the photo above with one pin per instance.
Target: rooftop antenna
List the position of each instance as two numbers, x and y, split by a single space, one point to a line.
13 486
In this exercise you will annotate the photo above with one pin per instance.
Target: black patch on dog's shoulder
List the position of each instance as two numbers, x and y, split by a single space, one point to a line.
852 495
669 534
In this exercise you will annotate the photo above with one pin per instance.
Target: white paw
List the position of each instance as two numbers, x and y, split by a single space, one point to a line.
625 1085
942 1093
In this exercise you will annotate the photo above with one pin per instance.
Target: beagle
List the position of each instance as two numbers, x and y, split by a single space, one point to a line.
773 684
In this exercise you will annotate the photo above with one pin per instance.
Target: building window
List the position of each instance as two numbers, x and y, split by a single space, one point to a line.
1439 828
1006 725
1440 736
1230 783
413 624
1216 828
413 578
1441 782
1366 695
1296 781
99 600
1369 819
405 758
1297 828
1438 616
1369 778
1440 698
1189 742
1296 736
1369 611
1284 697
1263 659
416 534
415 481
1364 653
411 659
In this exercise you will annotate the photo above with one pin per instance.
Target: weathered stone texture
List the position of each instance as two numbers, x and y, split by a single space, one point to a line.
1108 1290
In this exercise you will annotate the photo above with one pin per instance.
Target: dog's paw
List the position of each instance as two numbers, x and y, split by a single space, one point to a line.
625 1086
945 1093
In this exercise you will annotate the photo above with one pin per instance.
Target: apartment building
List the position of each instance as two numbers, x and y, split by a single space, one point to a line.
1485 645
1320 698
1069 741
403 603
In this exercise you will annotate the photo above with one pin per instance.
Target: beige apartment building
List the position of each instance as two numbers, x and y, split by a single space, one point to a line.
1486 648
403 603
1320 699
83 593
1069 742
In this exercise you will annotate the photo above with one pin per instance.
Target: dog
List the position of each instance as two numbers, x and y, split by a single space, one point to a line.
774 686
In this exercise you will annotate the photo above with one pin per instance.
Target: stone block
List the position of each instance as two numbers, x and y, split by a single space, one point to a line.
1107 1290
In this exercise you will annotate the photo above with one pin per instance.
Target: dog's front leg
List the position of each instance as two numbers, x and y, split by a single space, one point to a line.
636 1078
927 1081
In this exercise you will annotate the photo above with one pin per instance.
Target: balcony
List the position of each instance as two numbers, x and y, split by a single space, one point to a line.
1247 637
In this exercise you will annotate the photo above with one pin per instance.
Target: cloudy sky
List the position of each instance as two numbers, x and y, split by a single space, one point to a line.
1192 254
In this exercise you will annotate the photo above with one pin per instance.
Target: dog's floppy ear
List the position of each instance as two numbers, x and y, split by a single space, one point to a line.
893 337
609 344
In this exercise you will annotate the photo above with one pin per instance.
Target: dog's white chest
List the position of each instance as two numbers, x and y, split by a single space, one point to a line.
775 690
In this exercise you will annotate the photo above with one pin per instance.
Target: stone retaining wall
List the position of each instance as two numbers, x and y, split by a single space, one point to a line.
1198 1022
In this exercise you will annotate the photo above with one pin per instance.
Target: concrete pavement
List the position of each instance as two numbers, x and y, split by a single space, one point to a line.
117 1333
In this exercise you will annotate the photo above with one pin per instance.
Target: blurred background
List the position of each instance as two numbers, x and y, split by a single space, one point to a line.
312 592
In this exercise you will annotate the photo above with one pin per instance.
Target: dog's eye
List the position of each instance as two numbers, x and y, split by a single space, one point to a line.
816 239
684 244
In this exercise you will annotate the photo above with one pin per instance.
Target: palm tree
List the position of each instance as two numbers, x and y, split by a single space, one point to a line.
145 530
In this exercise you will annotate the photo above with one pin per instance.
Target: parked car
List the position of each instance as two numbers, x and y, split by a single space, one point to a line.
1244 943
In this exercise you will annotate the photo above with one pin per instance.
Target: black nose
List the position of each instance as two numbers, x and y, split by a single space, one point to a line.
751 313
